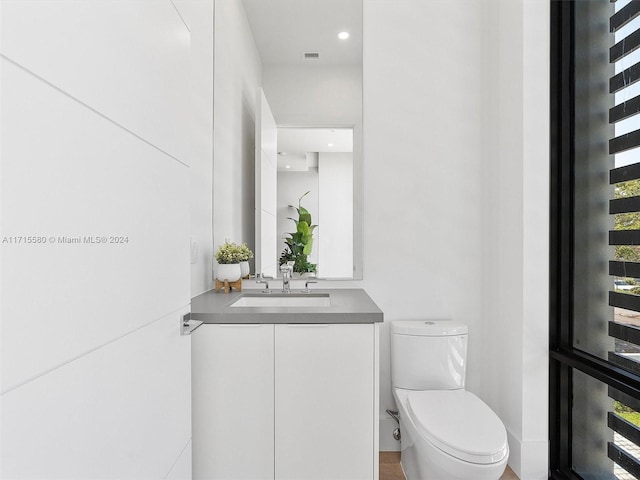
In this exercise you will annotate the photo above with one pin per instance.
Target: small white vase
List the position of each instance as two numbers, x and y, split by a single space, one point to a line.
303 275
244 269
229 272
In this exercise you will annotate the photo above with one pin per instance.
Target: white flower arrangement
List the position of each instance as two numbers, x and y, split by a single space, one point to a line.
229 252
246 252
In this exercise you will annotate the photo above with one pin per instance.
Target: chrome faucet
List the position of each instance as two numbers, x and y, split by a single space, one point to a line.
286 277
265 281
306 286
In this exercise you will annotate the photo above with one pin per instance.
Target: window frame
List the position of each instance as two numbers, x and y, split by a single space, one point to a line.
564 357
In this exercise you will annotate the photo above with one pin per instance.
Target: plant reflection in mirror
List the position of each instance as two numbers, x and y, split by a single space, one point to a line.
299 244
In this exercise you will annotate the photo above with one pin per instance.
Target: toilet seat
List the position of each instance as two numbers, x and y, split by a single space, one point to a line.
460 424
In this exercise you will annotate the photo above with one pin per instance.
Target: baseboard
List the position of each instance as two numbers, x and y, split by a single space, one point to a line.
530 459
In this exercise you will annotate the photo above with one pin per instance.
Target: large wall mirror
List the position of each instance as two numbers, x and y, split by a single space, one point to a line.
307 121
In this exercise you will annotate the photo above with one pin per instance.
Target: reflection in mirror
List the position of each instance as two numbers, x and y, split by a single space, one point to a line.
319 161
308 80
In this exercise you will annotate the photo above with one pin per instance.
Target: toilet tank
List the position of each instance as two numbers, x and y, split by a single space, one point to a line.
428 354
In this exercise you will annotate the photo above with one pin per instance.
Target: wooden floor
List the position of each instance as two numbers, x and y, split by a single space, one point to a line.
390 468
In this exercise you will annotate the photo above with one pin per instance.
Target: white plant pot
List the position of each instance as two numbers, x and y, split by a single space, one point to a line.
303 275
228 271
244 269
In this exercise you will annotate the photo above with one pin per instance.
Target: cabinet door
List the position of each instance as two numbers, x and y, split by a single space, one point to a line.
324 402
233 402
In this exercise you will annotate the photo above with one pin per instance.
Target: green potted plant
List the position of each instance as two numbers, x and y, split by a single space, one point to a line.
299 244
229 255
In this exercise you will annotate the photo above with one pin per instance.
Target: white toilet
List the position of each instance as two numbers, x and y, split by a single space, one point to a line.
447 433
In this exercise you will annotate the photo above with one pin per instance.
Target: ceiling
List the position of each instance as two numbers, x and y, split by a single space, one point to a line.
294 145
285 29
302 140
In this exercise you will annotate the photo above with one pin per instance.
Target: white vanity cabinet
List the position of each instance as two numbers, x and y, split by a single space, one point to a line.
325 380
315 386
232 402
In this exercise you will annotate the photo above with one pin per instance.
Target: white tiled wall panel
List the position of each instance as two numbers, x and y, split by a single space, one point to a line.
69 172
189 11
182 470
127 59
104 104
103 415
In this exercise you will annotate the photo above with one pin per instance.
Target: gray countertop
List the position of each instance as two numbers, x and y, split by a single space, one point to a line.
347 306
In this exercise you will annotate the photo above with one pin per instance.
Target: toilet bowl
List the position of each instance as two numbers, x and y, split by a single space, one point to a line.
450 435
447 433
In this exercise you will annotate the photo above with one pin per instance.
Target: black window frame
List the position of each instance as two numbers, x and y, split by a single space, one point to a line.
564 357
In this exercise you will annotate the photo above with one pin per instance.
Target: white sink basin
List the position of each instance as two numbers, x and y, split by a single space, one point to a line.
280 301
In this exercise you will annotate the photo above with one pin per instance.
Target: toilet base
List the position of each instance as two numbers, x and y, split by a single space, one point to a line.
421 460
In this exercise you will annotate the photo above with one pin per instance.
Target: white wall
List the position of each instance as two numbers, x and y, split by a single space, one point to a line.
335 215
324 95
456 193
237 77
520 191
97 132
423 157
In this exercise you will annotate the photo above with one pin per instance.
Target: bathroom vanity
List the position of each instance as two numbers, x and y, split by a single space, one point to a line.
286 391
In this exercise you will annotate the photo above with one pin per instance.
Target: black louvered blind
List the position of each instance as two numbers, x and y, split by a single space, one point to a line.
624 26
626 139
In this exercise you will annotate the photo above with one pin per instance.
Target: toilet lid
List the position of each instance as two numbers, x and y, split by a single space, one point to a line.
460 424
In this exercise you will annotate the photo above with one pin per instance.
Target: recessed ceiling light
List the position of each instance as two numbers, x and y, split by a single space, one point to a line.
331 144
343 35
287 166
